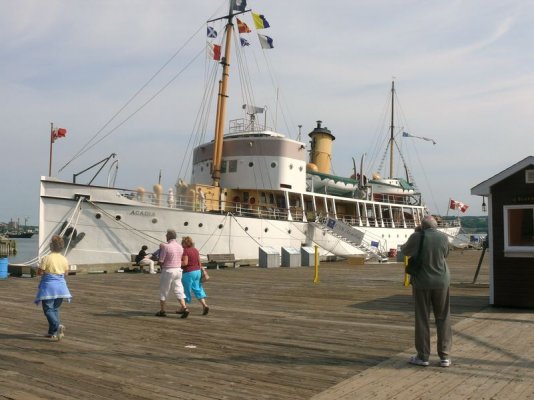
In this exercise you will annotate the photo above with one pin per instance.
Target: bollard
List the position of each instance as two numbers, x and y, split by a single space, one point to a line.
316 277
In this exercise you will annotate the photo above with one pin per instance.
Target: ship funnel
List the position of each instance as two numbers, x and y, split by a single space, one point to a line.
321 148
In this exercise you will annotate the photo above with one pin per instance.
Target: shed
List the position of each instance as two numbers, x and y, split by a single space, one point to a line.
510 196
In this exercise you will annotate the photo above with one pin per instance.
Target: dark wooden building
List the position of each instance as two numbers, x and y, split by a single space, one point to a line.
510 196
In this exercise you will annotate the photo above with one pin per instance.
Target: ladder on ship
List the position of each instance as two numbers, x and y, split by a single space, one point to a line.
353 237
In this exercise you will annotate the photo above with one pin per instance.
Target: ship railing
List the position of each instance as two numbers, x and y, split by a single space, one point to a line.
242 125
265 211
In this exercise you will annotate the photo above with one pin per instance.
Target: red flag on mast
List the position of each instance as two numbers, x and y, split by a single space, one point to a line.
58 133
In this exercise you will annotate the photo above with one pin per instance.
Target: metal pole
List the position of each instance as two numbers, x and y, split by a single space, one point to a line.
51 142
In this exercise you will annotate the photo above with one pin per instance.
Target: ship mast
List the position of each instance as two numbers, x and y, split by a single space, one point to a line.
221 102
391 139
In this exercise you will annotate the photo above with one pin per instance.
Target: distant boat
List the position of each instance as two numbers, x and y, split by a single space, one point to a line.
19 235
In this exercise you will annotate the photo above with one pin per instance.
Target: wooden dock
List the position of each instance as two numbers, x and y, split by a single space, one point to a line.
270 334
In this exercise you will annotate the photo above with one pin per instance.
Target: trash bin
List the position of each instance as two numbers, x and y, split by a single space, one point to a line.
400 254
290 257
307 256
3 267
269 257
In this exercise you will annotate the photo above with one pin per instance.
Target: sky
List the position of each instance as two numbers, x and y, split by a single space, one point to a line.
463 71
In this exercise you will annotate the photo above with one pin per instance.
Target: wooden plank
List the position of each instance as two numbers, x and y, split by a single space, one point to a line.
270 333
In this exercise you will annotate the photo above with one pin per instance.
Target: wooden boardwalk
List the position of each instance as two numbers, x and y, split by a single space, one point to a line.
270 334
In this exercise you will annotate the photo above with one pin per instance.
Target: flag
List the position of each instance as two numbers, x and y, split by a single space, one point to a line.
239 5
458 205
58 133
214 51
260 21
242 27
266 42
244 42
406 134
212 33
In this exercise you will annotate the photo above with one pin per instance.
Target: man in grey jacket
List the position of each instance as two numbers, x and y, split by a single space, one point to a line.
431 291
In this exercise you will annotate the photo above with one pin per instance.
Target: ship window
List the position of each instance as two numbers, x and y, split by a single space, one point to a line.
223 166
200 225
519 228
118 217
245 197
233 166
300 168
290 166
154 220
98 215
186 223
273 165
201 169
251 164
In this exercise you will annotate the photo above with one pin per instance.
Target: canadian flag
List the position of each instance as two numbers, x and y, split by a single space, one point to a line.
58 133
458 205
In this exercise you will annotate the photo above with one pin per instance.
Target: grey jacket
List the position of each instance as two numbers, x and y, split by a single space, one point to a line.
434 273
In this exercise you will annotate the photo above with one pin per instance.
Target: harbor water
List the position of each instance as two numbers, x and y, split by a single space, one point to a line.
26 250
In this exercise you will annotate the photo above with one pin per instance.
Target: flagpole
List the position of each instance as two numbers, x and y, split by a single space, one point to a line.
448 206
51 142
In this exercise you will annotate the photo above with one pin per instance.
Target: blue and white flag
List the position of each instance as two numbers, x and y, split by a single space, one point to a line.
212 33
266 41
239 5
406 134
244 42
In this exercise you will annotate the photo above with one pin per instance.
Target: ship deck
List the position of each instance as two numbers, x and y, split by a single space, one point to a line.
270 334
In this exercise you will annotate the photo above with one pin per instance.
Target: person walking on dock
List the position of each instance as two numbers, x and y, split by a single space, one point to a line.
431 292
170 258
53 269
192 273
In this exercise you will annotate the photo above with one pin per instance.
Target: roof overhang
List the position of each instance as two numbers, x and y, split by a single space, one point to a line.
484 188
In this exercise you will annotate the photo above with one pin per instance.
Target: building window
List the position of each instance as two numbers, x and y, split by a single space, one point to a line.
519 228
233 166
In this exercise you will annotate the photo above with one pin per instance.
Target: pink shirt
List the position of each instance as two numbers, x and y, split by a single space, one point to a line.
170 254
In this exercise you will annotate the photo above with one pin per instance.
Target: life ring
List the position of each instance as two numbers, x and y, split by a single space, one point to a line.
252 200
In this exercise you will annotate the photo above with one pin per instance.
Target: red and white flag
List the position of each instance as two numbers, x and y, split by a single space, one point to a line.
58 133
214 51
458 205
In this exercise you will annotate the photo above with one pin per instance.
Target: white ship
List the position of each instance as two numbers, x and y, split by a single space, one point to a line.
250 187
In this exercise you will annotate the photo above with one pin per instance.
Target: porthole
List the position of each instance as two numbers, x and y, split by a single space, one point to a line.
118 217
221 226
300 168
246 228
251 164
154 220
273 165
266 229
201 169
289 231
290 166
98 215
200 225
186 223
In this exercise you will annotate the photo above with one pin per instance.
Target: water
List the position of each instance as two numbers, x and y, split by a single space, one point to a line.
26 250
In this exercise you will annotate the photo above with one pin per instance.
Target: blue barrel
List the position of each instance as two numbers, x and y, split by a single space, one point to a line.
3 268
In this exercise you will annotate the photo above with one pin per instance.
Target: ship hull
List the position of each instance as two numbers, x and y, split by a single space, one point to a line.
106 226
